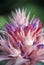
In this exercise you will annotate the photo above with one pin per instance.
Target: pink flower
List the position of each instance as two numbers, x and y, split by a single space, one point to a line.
22 41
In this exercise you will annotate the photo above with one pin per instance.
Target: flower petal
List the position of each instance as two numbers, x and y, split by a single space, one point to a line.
3 57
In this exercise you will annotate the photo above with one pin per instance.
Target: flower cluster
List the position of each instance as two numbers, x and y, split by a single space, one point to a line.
22 41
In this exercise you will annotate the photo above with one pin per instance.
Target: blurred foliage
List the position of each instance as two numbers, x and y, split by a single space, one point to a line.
36 7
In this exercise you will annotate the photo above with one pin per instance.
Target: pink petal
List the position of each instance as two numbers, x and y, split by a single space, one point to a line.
42 61
10 62
3 57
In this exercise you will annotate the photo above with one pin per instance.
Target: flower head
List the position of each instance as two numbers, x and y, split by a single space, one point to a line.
22 41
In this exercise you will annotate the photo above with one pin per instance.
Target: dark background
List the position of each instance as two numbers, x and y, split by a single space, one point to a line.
7 5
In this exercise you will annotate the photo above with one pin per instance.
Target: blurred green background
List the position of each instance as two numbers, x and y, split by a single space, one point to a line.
35 6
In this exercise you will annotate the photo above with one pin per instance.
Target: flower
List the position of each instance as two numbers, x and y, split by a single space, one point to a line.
22 41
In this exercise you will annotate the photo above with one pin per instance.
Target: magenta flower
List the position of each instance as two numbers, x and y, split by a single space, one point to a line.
22 41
